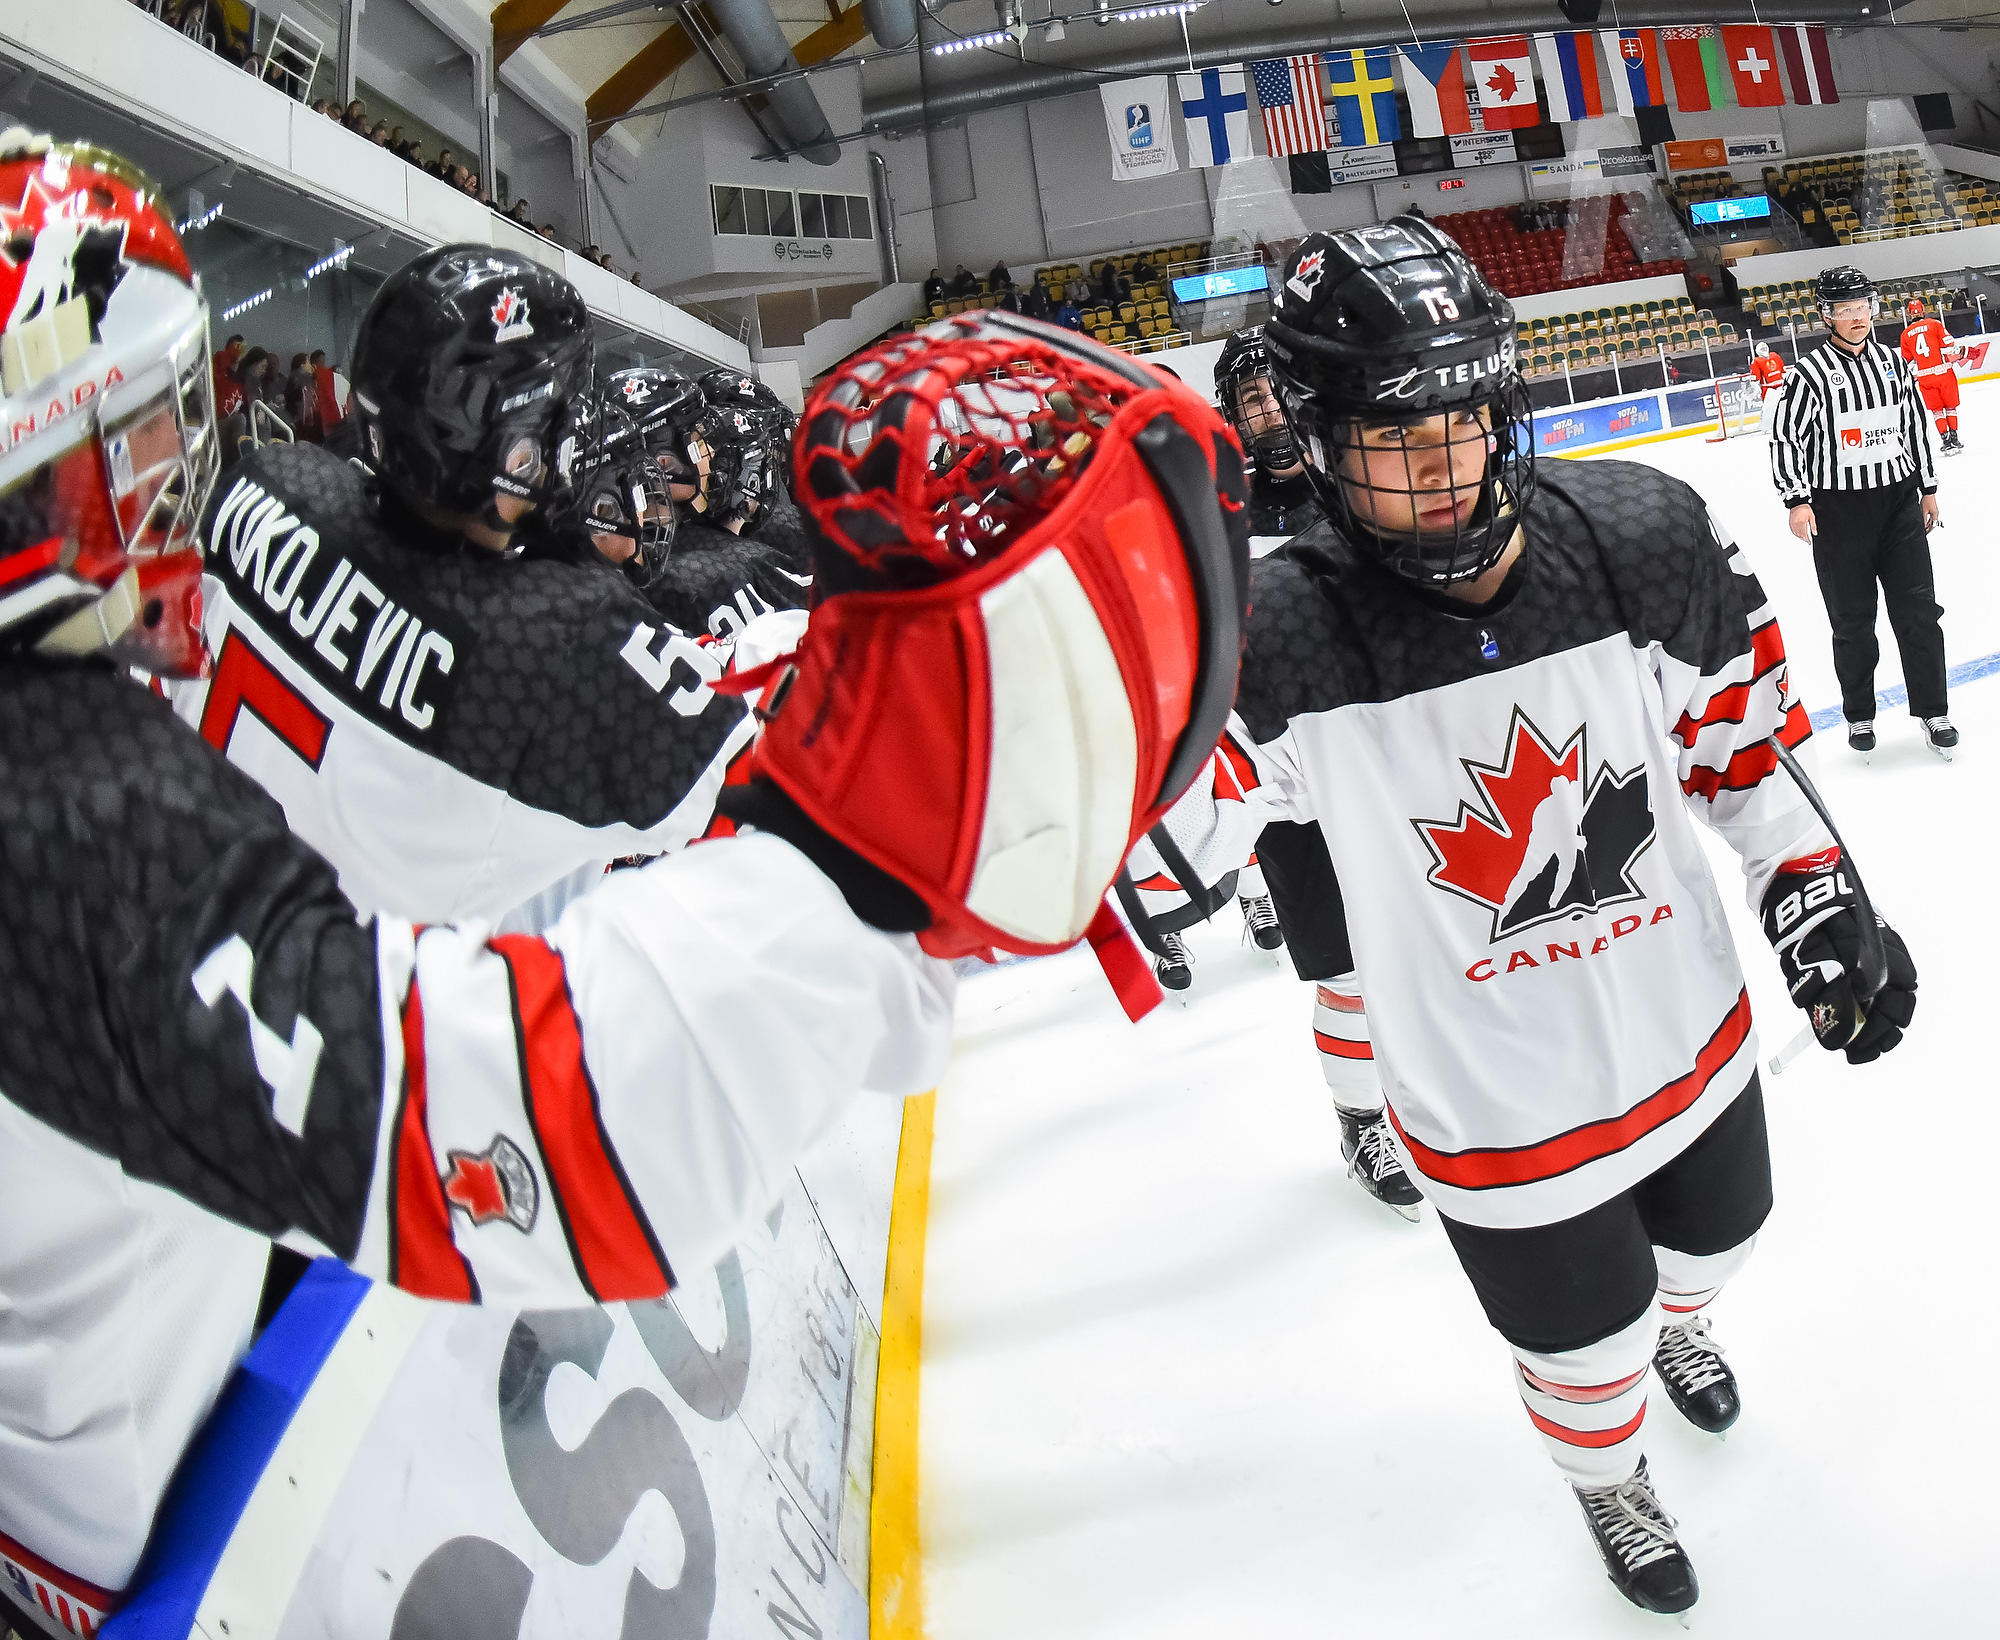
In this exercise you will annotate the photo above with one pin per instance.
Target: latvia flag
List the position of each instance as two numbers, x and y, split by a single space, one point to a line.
1506 77
1753 65
1808 64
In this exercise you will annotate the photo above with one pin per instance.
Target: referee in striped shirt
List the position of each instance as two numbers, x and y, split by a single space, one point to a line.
1851 456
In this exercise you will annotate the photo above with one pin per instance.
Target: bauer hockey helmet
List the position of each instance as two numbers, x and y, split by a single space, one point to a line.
465 367
108 443
1845 284
617 507
1247 399
1389 336
1042 541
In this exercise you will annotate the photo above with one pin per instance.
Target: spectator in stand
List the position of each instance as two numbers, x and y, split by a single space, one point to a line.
254 67
1008 298
964 283
1107 280
547 230
445 165
1068 314
999 278
302 400
1039 303
471 186
380 135
519 214
415 155
326 393
319 105
252 375
934 288
357 116
397 145
1143 272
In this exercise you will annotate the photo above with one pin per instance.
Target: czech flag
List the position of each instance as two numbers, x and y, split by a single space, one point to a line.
1364 96
1569 72
1434 81
1634 55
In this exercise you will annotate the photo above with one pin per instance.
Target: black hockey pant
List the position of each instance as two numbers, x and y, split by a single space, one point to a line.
1866 536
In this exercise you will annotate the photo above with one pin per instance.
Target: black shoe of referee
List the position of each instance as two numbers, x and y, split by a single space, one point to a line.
1861 737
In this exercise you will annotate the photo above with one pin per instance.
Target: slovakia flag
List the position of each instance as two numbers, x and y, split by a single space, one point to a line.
1634 55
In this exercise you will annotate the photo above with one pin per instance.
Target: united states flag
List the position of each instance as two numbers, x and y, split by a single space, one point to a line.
1288 90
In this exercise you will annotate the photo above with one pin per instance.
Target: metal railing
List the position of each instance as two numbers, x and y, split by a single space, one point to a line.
264 426
734 325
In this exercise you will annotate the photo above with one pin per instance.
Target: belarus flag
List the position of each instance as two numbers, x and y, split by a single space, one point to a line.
1753 65
1506 77
1634 55
1808 63
1434 81
1569 70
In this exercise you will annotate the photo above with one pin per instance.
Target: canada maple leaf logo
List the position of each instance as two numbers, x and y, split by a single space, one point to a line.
1306 276
1547 839
493 1185
1504 82
54 247
510 316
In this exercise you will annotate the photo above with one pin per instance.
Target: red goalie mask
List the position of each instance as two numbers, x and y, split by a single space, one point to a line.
1031 610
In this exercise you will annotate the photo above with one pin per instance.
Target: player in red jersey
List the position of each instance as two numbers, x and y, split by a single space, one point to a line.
1769 370
1932 351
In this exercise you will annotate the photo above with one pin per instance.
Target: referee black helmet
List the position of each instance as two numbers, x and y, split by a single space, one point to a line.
1845 284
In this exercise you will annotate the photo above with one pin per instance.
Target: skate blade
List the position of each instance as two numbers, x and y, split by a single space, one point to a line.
1944 752
1414 1213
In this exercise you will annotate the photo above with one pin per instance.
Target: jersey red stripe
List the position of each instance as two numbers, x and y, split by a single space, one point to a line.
614 1246
1338 1003
1528 1164
424 1260
1340 1048
1767 649
1159 883
1239 763
1587 1437
1751 765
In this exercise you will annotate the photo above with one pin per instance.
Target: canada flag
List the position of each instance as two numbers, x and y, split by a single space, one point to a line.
1506 75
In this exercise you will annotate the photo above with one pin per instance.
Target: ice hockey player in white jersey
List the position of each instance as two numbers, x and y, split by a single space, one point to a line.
1476 660
203 1048
463 730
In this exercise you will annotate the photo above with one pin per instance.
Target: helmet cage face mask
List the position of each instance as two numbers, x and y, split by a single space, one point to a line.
1258 416
1472 463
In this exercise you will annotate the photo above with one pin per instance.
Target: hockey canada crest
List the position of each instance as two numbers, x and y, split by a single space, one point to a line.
55 246
1306 276
493 1185
510 316
1546 838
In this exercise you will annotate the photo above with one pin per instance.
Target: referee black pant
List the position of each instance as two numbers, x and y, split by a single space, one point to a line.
1866 536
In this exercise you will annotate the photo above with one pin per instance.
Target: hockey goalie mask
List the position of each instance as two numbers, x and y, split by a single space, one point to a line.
1032 598
108 447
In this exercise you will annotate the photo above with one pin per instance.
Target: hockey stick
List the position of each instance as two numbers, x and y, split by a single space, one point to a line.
1874 965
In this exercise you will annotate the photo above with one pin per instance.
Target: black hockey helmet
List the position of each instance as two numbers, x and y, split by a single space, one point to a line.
1392 326
1242 361
660 402
1845 284
617 507
743 460
465 368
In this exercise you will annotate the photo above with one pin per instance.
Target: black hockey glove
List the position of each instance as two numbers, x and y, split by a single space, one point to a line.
1812 918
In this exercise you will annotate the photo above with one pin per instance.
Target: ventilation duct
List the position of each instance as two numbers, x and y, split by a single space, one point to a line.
761 46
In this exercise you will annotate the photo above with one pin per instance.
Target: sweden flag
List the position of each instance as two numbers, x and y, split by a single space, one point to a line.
1364 96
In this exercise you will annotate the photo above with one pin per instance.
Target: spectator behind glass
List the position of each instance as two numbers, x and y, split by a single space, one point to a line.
415 155
519 213
1038 303
1143 272
328 397
357 117
547 230
302 399
934 288
228 391
380 135
397 145
964 283
1068 314
471 183
1107 281
445 165
999 278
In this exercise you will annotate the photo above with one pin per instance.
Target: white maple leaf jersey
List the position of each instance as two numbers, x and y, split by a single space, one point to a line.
1508 796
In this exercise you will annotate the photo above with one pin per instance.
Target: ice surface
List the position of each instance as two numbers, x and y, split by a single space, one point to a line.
1181 1378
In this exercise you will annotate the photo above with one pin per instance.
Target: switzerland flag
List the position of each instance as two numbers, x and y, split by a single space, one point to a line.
1753 66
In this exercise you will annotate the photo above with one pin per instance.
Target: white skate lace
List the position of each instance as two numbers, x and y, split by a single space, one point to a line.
1257 913
1178 955
1376 1150
1637 1528
1937 725
1694 1358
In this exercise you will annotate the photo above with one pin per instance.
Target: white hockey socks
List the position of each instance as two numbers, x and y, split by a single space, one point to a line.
1346 1053
1689 1281
1590 1404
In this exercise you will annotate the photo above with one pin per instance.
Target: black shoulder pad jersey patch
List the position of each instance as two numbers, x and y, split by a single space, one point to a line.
1613 546
295 540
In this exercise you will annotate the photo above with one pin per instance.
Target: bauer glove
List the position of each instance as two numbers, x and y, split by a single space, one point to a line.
1812 917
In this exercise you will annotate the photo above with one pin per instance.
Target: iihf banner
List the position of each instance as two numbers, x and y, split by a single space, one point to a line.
1136 117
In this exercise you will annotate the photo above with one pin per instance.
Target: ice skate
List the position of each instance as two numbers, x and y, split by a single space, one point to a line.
1260 922
1636 1538
1369 1145
1175 970
1941 736
1949 445
1698 1380
1861 738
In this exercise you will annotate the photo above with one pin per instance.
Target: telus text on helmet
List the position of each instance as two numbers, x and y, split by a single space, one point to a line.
1413 382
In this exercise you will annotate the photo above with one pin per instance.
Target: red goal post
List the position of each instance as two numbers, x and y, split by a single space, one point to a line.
1739 407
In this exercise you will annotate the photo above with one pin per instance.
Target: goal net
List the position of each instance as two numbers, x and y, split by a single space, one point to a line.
1736 407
